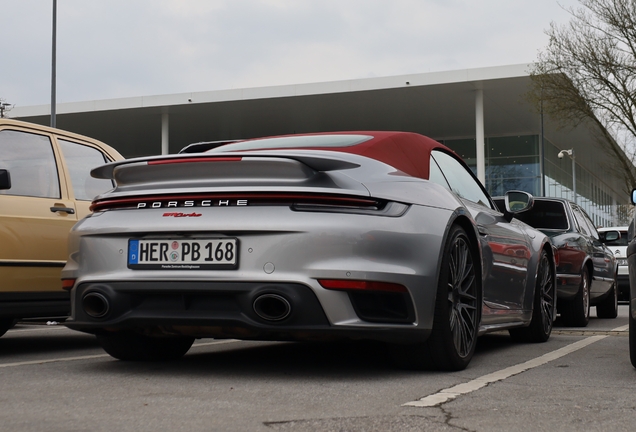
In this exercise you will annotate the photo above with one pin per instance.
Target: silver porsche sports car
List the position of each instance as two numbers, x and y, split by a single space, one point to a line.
385 236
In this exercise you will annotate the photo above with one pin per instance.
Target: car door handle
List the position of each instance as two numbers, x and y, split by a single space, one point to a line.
63 209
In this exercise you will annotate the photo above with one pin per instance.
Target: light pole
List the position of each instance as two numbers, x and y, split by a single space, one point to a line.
53 55
570 153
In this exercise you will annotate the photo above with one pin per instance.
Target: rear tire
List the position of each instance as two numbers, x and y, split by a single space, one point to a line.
543 309
608 308
453 338
576 312
129 346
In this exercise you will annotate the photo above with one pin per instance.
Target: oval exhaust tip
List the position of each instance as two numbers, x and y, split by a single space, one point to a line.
272 307
95 304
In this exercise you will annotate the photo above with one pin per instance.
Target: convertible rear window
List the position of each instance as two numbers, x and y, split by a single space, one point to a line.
545 215
305 141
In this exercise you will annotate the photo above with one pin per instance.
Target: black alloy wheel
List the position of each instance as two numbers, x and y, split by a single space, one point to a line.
543 308
461 297
453 338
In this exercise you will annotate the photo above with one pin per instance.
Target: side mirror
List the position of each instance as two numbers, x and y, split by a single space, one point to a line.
611 236
518 201
5 179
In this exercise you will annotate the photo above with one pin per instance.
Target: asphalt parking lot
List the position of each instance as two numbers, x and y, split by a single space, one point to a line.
55 379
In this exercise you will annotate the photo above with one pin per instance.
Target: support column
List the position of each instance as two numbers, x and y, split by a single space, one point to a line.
479 135
576 201
165 136
542 190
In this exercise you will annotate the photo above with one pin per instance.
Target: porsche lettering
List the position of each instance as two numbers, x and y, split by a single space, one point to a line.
192 203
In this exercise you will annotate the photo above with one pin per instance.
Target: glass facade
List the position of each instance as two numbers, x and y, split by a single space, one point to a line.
513 163
593 194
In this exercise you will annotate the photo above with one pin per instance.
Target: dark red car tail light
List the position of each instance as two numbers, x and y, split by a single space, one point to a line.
361 285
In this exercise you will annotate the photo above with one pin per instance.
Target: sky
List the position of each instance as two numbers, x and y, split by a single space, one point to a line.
110 49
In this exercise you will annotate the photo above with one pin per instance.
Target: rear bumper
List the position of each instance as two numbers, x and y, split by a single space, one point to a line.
227 310
284 251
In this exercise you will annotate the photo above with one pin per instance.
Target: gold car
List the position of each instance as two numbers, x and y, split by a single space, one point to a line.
45 188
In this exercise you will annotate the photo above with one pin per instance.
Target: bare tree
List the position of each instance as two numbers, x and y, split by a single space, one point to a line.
588 73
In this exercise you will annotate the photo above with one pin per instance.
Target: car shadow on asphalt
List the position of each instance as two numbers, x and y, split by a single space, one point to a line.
352 360
493 343
50 343
301 359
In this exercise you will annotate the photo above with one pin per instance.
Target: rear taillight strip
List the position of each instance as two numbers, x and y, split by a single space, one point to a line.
210 200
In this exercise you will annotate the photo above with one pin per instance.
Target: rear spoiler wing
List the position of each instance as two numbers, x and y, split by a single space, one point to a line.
328 162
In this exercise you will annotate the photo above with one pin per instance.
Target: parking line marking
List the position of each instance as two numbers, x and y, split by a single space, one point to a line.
37 329
96 356
451 393
219 342
65 359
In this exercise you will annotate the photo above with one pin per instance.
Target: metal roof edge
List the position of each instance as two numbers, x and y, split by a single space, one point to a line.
289 90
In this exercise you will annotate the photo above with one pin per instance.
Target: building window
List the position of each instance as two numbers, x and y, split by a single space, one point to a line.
513 163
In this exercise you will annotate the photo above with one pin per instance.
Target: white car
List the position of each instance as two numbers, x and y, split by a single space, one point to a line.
619 248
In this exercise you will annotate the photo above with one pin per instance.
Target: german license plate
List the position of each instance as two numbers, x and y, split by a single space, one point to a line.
183 254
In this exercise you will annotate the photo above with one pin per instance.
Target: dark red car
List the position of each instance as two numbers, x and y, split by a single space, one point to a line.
586 268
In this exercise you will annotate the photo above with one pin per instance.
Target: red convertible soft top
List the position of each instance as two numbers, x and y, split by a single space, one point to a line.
406 151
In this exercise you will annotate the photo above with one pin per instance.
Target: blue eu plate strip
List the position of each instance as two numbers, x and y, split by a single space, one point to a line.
133 252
